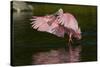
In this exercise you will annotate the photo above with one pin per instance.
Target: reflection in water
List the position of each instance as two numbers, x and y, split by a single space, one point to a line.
74 54
21 16
57 56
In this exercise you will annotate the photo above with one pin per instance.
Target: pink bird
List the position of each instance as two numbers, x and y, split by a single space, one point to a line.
58 24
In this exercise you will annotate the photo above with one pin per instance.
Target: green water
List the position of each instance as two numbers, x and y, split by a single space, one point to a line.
26 41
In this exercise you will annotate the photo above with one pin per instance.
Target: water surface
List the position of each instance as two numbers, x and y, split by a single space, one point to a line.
29 44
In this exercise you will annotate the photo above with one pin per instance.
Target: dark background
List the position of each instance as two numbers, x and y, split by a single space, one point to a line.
25 41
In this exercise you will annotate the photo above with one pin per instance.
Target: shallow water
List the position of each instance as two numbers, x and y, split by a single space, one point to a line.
30 46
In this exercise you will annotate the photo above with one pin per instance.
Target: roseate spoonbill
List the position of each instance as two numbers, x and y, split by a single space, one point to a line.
59 23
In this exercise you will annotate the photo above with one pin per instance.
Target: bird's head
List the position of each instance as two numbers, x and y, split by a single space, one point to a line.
59 12
78 34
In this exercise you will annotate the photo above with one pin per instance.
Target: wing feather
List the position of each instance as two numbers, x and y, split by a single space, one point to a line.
68 21
40 23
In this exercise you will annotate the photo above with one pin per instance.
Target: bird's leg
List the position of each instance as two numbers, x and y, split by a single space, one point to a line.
70 48
70 37
70 40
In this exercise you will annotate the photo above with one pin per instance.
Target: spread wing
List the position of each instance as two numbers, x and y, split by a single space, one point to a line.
57 24
68 21
40 23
